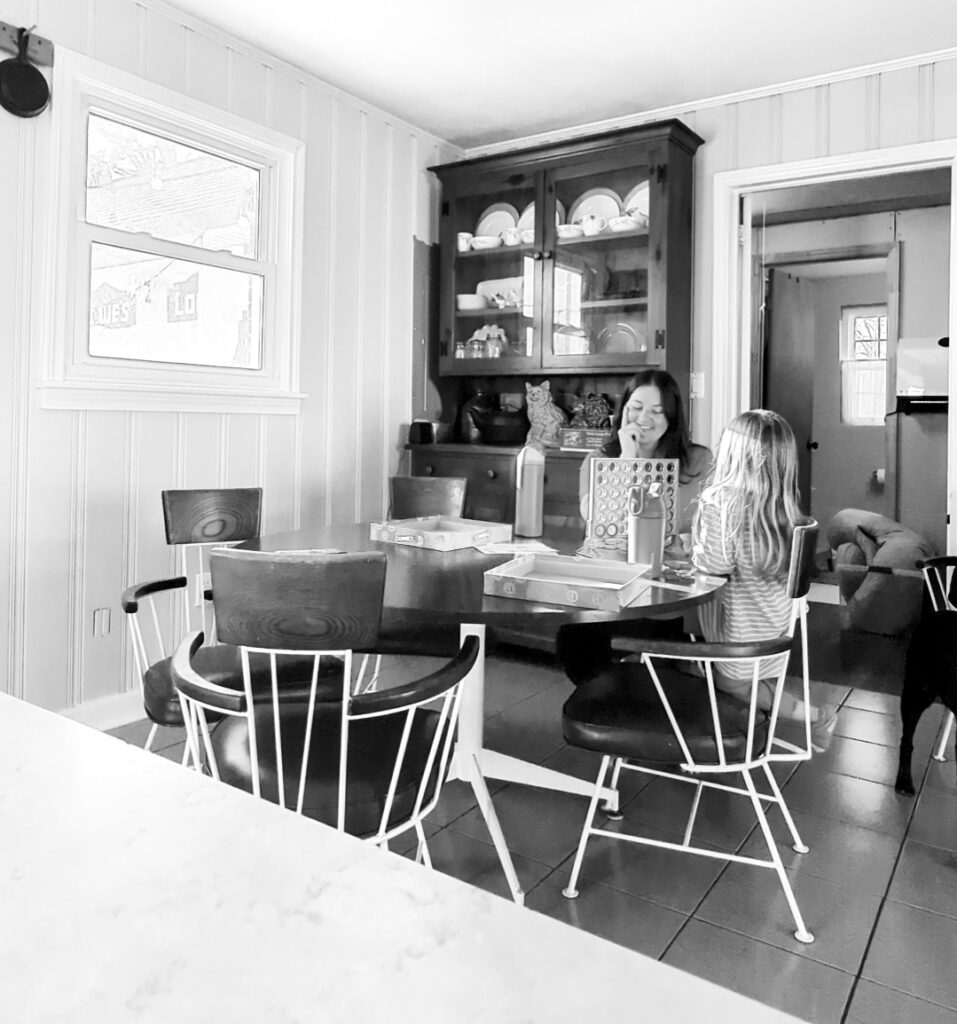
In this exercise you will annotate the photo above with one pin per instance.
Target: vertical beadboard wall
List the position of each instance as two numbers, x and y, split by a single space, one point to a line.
902 103
79 491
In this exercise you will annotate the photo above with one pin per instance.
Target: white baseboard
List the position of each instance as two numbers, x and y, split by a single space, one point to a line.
109 712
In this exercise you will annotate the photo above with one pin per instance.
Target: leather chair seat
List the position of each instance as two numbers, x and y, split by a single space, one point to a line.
373 747
221 664
619 712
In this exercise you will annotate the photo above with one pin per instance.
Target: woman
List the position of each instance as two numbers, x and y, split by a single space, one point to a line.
648 423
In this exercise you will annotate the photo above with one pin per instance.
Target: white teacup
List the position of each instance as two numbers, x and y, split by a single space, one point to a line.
463 241
592 224
512 236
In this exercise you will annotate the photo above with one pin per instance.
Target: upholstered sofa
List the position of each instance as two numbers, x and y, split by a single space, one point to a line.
876 563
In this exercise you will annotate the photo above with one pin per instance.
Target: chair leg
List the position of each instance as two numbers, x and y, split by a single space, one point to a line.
798 844
612 812
941 754
801 933
689 828
570 891
148 745
422 853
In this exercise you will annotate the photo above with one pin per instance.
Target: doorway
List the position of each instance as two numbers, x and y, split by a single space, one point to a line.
827 254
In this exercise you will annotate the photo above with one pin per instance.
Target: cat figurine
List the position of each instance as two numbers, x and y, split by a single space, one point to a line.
545 417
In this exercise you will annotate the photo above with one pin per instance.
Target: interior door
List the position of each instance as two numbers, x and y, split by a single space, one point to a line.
788 360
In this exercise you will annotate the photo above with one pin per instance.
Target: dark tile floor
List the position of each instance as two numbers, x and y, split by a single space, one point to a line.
878 887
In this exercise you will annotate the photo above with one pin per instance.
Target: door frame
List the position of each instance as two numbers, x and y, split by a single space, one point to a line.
729 347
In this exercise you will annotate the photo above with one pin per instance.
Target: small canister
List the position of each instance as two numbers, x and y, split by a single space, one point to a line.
646 526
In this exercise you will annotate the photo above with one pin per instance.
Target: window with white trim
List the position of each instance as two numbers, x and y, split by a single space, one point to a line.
176 251
863 341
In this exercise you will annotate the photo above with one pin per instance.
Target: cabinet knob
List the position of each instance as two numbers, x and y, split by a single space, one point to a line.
536 256
548 254
427 470
491 474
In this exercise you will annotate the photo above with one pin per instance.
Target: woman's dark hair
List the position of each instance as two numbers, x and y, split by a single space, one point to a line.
675 442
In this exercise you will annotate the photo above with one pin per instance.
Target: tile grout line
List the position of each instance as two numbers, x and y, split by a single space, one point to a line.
887 889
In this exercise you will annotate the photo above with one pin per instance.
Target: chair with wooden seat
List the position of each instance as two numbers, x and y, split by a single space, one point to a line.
371 764
154 630
196 521
658 717
414 496
663 715
941 580
410 498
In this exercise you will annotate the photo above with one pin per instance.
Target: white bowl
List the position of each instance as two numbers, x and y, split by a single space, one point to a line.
570 230
624 223
469 301
528 236
486 242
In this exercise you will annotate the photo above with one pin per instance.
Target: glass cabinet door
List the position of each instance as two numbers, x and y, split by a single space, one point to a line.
596 310
492 298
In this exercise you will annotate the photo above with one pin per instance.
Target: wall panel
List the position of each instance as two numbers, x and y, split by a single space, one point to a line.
799 125
756 133
945 99
280 475
164 51
207 70
247 87
899 107
847 116
117 33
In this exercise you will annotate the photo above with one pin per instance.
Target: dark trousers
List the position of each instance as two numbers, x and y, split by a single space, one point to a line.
586 649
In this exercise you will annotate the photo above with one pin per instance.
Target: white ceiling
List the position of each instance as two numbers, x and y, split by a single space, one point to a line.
479 73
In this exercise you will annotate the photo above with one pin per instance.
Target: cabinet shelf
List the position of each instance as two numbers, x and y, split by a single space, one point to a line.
613 303
472 314
498 250
632 237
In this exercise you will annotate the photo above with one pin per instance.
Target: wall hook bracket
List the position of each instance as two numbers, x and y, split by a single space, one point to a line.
39 50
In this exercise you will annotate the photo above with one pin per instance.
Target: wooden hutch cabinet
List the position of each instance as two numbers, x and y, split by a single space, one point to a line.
569 261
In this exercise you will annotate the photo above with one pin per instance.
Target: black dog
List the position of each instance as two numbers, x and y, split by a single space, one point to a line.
930 673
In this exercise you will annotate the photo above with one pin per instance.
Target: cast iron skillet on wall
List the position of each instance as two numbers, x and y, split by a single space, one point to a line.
23 89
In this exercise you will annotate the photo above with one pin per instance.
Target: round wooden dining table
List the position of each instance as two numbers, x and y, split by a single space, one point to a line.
447 589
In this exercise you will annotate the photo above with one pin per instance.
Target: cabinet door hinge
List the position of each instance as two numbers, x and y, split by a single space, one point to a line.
445 207
661 173
659 339
740 234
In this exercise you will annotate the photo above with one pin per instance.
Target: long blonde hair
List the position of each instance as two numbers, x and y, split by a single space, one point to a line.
753 483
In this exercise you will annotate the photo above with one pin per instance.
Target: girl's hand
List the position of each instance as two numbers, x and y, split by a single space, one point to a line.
628 439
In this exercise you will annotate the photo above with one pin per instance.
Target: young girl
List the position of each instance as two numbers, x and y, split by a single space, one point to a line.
742 529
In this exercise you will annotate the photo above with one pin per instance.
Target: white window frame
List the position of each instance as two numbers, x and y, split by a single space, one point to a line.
848 360
70 377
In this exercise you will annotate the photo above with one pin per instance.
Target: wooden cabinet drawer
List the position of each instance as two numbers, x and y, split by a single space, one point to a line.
490 491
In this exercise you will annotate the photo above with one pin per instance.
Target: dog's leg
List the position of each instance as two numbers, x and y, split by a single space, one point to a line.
916 698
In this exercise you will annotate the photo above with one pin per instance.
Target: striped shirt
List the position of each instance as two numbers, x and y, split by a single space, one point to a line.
747 608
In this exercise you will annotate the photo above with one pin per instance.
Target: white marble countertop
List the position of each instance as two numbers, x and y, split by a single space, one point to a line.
133 890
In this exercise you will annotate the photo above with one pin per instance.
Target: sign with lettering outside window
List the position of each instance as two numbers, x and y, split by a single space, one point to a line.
110 307
181 300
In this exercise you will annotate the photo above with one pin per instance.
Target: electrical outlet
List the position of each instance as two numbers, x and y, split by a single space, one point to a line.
102 621
202 582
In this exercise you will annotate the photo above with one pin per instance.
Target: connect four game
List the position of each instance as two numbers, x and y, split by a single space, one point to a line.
611 479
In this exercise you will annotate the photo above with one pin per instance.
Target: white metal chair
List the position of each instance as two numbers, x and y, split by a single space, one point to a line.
371 764
941 583
153 636
196 521
679 725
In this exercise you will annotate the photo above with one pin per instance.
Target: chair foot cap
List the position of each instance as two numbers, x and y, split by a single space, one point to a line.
800 848
806 937
570 894
612 814
942 758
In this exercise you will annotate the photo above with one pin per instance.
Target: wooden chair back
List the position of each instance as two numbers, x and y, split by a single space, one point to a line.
223 515
414 496
297 600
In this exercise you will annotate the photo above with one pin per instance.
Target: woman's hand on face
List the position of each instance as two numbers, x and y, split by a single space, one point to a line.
628 439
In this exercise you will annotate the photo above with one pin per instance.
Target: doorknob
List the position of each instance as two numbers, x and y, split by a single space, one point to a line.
812 446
